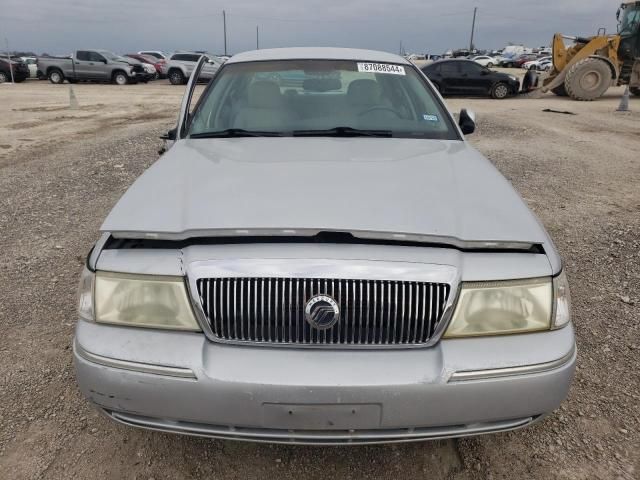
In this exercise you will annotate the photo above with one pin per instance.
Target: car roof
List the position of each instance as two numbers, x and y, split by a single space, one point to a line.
317 53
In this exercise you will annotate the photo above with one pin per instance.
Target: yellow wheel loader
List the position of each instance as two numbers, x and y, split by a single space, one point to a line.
586 69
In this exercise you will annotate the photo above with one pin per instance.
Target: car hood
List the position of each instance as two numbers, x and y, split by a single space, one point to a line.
398 189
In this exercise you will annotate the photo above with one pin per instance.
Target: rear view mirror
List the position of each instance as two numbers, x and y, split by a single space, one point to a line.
467 121
322 84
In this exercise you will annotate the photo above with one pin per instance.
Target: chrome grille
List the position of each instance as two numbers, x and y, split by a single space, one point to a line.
372 312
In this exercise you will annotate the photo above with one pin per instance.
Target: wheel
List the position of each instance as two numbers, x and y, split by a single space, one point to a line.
120 78
4 77
635 91
560 91
176 77
156 76
500 91
489 65
56 77
588 79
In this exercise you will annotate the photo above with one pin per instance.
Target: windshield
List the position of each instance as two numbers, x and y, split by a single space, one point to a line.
314 96
630 19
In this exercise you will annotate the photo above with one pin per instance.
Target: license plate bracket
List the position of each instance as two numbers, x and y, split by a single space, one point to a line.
321 416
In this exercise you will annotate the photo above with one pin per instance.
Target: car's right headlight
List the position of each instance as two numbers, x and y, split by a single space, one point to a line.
502 308
150 301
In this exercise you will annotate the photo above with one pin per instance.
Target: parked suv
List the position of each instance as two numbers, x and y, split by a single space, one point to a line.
20 70
180 65
328 262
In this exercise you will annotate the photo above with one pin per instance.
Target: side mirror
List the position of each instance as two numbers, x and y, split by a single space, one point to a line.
467 121
170 135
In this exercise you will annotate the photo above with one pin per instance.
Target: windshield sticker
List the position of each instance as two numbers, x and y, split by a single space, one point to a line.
430 118
381 68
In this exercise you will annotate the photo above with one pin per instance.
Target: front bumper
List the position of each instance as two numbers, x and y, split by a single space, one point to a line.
183 383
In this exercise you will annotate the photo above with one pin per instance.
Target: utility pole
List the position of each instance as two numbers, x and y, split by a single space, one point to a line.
400 47
224 27
6 42
473 29
257 38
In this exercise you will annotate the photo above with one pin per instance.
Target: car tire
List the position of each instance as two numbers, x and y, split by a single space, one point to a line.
156 76
176 77
120 78
588 79
4 77
635 91
489 65
500 91
56 76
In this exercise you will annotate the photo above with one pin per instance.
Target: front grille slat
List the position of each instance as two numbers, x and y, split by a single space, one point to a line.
372 312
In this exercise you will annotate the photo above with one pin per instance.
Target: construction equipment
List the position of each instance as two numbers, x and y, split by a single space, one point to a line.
586 69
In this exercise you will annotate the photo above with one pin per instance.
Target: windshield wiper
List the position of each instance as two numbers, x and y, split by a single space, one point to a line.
235 132
342 132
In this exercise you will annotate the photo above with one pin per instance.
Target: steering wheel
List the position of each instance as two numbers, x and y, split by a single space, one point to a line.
379 107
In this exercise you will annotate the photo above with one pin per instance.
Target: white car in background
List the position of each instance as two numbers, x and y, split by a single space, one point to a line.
485 61
537 64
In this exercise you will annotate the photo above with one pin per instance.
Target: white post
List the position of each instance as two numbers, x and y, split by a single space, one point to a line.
6 42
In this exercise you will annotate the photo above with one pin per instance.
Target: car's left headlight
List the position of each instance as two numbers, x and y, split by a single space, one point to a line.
142 301
501 308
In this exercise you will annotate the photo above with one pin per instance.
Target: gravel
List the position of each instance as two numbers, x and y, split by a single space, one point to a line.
580 174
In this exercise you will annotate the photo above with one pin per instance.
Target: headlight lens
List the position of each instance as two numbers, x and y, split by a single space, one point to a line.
500 308
143 301
562 304
85 294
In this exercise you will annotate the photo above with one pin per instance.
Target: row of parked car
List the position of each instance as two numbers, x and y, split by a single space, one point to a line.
106 66
527 61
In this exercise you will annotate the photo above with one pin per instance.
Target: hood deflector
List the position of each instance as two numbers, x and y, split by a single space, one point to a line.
328 237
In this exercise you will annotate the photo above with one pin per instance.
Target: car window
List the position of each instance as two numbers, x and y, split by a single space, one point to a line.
319 95
470 68
82 56
449 68
96 57
433 68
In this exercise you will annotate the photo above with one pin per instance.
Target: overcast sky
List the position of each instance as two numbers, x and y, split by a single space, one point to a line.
424 26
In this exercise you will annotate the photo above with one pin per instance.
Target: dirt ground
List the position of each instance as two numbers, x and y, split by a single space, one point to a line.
62 169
